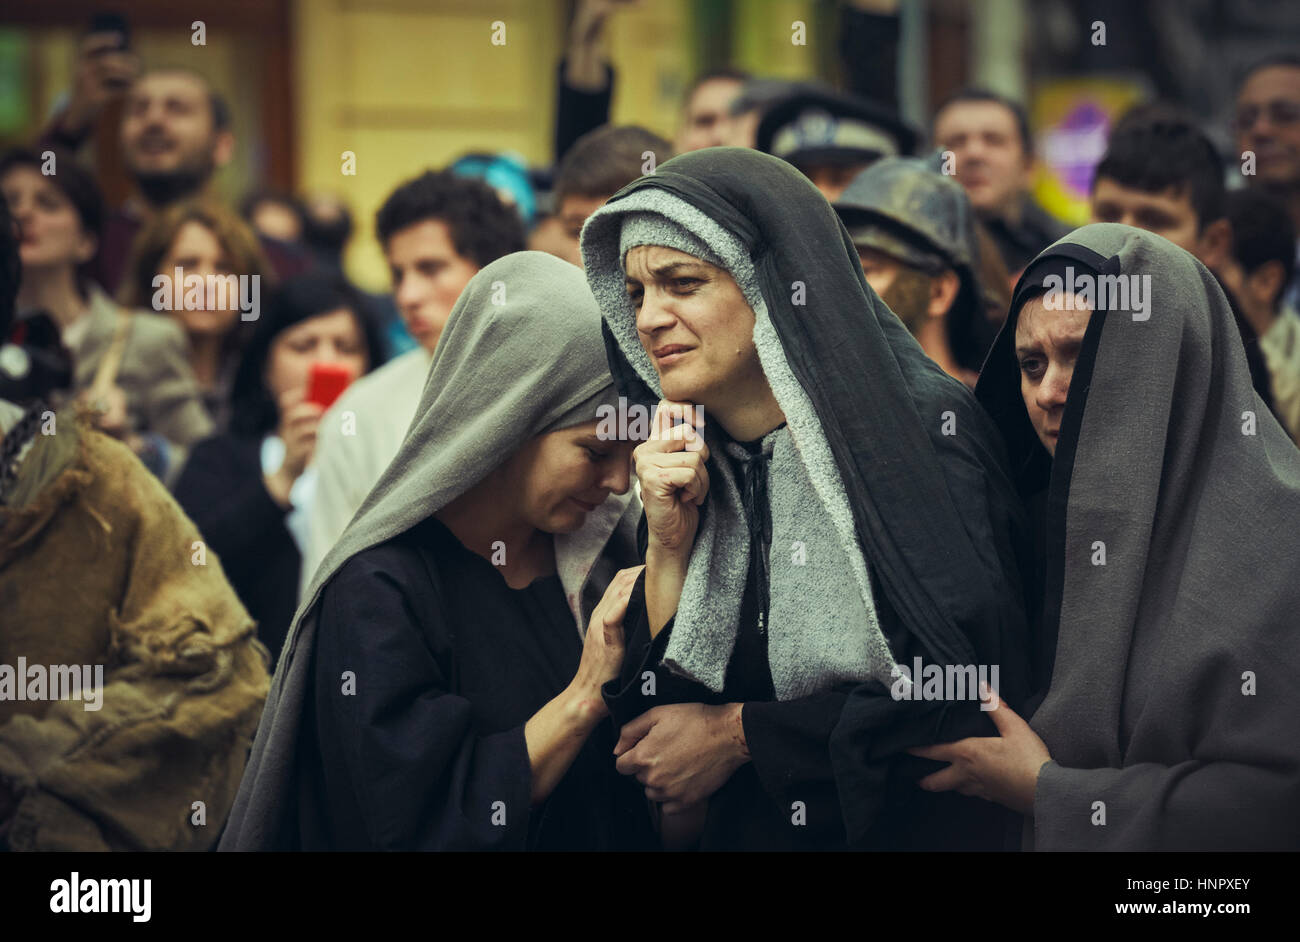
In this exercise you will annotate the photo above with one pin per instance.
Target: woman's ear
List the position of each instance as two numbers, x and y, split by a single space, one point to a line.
87 245
1215 243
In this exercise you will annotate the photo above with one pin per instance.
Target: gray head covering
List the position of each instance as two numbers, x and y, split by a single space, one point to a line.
521 355
653 229
1172 539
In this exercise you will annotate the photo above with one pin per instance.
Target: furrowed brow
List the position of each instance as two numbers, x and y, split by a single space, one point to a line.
672 269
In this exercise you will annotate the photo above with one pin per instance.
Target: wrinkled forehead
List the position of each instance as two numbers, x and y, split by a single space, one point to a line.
1052 320
643 262
177 84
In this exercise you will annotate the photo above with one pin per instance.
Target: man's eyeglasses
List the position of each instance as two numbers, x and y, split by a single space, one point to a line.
1280 113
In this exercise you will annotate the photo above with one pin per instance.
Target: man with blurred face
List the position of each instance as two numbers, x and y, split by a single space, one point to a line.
599 164
831 136
1267 124
1162 174
174 134
993 153
706 114
914 230
437 231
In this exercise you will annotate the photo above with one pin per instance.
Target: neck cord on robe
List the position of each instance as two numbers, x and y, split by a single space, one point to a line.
753 461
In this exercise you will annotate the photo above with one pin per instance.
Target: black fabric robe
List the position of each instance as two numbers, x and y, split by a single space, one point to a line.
222 490
428 752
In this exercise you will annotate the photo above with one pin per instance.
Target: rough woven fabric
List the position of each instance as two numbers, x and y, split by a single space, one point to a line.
98 567
521 355
1173 701
654 229
818 635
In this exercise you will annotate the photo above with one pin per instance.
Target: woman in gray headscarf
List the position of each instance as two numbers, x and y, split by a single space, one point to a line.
435 691
1169 499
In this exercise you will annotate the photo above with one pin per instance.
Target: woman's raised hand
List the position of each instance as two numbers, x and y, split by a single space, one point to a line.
673 476
602 651
299 420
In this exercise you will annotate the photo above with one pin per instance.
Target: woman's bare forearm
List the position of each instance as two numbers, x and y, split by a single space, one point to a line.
665 574
556 732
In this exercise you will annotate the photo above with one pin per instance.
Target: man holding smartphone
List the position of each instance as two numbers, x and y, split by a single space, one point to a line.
175 132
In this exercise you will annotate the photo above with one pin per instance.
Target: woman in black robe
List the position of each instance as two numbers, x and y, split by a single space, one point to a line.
247 489
1168 496
841 510
436 692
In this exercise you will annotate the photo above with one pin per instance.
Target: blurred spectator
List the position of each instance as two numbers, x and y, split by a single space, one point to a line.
915 234
507 175
586 80
131 370
1267 124
247 489
175 133
1164 175
437 231
598 166
830 136
707 110
1257 270
99 574
326 228
748 107
273 214
989 137
201 237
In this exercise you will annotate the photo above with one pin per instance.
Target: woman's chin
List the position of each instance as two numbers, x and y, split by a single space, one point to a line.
565 520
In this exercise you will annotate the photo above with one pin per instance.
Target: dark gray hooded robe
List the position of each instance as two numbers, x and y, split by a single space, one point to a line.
1172 568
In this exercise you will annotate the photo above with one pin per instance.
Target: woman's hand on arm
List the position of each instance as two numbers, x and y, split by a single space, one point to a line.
674 479
1001 768
683 752
556 732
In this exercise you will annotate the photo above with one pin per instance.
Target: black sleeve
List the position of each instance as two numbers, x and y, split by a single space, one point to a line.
577 112
788 740
227 501
789 745
633 692
401 750
869 52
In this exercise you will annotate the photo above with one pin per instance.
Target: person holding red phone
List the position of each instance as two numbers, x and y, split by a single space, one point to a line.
248 489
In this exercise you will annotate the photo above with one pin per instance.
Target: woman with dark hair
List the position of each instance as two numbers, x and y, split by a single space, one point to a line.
440 688
842 513
247 489
1168 502
132 371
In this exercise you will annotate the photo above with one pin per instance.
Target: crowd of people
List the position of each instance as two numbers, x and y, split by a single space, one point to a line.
378 572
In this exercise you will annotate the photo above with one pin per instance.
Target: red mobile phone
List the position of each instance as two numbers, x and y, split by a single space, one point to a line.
326 383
